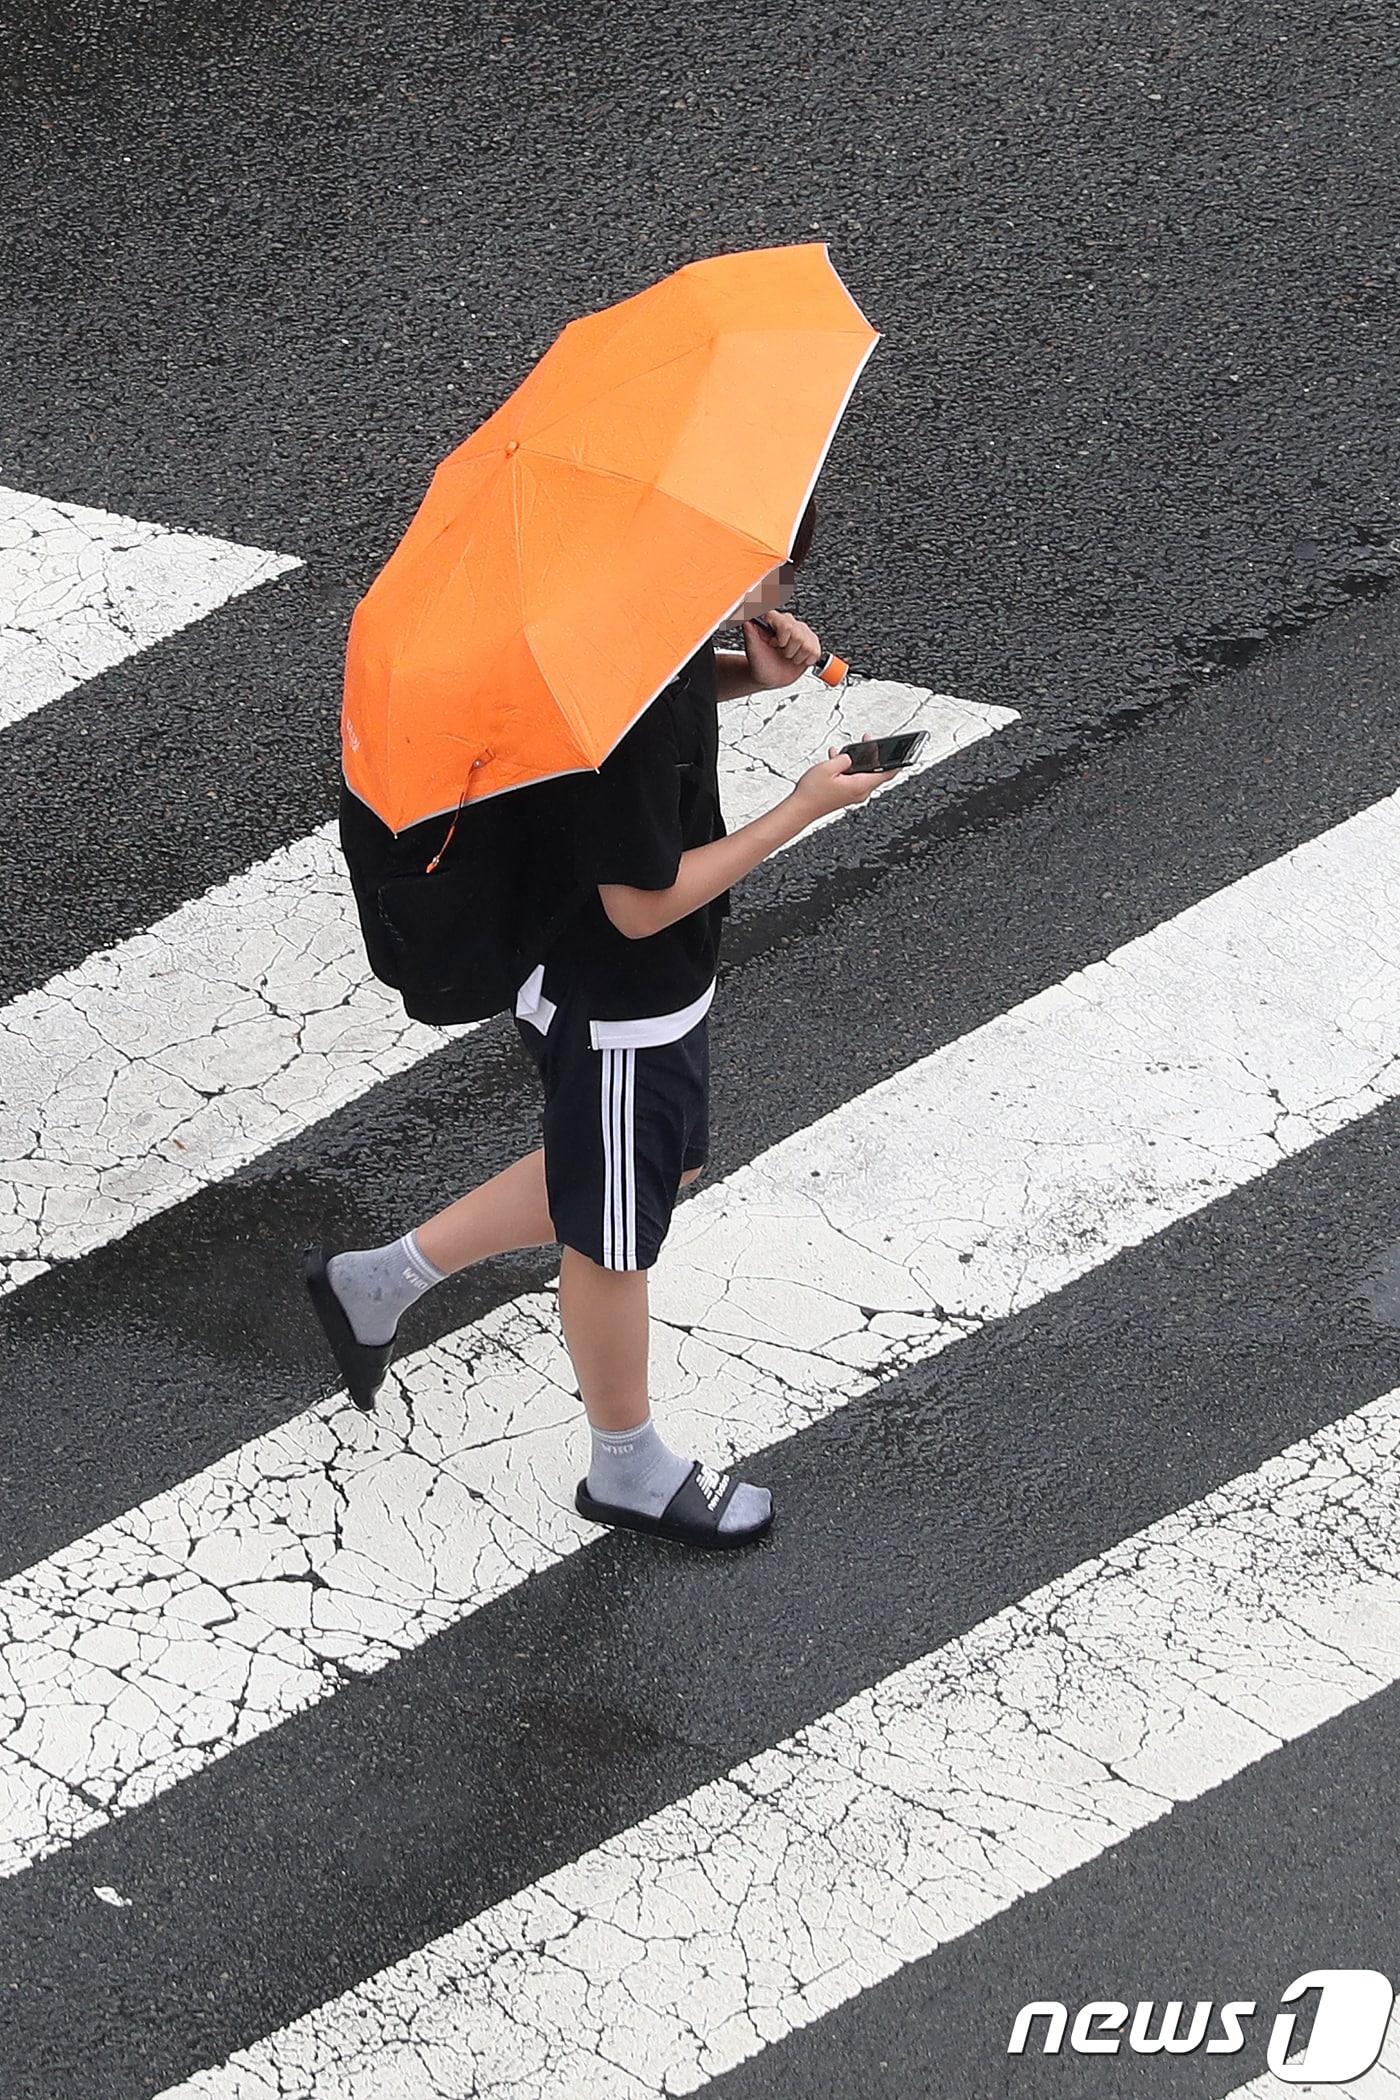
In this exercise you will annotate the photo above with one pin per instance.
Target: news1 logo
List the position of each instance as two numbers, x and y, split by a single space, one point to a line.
1348 2030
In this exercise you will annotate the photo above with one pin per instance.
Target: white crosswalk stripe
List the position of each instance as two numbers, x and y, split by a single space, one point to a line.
965 1189
149 1070
81 589
999 1169
912 1813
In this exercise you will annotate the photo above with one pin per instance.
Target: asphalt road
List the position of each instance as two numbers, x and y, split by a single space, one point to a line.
1126 463
1137 276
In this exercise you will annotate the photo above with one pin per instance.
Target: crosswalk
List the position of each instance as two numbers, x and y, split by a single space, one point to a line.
1063 1134
238 1021
909 1815
1255 1026
81 589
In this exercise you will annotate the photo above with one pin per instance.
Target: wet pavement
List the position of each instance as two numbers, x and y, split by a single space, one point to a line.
1124 463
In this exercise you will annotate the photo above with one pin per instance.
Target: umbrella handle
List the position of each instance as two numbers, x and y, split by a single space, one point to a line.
831 670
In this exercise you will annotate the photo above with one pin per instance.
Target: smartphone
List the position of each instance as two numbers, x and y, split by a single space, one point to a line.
885 754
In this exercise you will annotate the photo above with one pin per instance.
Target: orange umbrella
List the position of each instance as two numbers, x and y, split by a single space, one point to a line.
571 555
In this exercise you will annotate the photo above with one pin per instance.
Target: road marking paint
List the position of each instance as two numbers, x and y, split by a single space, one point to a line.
82 589
151 1069
909 1815
964 1189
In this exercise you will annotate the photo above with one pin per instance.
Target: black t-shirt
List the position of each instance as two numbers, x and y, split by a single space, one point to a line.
655 796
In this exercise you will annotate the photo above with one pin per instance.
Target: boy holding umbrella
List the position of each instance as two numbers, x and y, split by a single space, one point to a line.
616 1021
656 457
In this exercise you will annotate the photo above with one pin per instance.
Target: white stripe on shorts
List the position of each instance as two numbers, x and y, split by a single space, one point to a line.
619 1160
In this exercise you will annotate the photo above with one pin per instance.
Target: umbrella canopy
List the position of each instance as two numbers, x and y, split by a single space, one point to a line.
571 555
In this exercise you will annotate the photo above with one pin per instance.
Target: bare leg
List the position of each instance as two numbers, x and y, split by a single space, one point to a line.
606 1320
633 1475
511 1210
604 1312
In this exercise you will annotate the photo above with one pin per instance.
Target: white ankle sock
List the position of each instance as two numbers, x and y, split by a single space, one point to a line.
633 1469
376 1285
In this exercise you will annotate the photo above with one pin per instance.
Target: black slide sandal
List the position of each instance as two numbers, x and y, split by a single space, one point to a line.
691 1516
362 1364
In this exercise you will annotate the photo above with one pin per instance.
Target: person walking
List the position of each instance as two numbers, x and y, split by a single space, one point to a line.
616 1020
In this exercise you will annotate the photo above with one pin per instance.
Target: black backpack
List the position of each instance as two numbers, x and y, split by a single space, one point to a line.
456 911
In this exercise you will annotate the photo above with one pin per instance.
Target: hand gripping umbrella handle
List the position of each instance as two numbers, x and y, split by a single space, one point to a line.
831 670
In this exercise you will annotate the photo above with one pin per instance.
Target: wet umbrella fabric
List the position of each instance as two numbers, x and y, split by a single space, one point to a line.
573 552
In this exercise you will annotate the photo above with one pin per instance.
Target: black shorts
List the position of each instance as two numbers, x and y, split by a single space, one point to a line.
620 1128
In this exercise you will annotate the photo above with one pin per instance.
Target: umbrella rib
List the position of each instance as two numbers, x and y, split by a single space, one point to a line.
622 379
646 371
630 481
568 713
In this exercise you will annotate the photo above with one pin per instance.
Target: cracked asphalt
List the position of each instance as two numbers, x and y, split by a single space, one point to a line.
1124 467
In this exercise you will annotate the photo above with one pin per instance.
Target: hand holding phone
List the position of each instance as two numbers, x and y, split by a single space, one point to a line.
885 754
836 783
